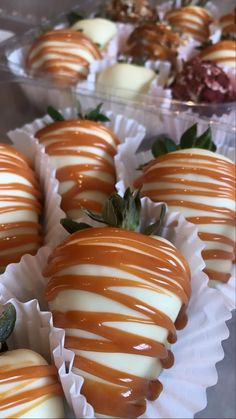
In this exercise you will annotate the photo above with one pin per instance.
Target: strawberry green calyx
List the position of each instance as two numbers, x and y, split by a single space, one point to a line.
185 3
93 115
119 212
7 323
74 17
189 139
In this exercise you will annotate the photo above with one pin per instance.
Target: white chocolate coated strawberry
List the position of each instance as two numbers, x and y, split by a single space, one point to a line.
99 30
28 386
200 184
82 152
126 80
118 294
20 207
62 53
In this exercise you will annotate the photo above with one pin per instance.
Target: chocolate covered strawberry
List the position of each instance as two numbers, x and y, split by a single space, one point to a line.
62 54
119 294
191 20
82 151
193 179
20 207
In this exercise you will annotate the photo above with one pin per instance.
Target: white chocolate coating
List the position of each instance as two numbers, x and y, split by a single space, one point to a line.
222 53
62 53
127 80
46 406
82 154
191 20
19 207
101 31
200 184
104 278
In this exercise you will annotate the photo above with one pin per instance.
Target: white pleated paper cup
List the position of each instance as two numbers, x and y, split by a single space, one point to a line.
128 161
32 328
199 345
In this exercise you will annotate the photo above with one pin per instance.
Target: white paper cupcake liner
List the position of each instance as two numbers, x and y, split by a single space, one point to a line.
197 350
128 161
32 328
24 280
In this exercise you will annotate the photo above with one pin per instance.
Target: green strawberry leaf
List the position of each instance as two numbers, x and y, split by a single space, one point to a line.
72 226
212 147
170 145
204 45
7 322
94 216
54 114
118 212
163 145
189 137
109 214
159 148
96 115
154 229
73 17
204 140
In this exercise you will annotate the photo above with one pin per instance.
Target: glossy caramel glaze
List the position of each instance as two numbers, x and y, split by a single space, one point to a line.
191 20
221 53
200 184
82 152
228 23
63 54
28 373
20 198
153 41
124 268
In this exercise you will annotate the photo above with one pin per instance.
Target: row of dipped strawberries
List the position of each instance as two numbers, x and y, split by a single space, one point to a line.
198 66
120 290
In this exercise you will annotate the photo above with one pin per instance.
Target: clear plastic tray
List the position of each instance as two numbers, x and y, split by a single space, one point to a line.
38 11
216 113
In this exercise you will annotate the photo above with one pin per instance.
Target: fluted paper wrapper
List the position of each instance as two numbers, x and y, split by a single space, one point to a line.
32 328
198 347
22 280
128 161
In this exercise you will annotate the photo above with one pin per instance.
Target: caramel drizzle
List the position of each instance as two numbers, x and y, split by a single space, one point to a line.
228 23
11 398
13 162
183 19
57 60
67 138
215 169
163 269
227 46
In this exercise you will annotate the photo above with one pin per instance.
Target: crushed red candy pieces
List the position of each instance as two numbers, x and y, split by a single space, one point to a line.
202 82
